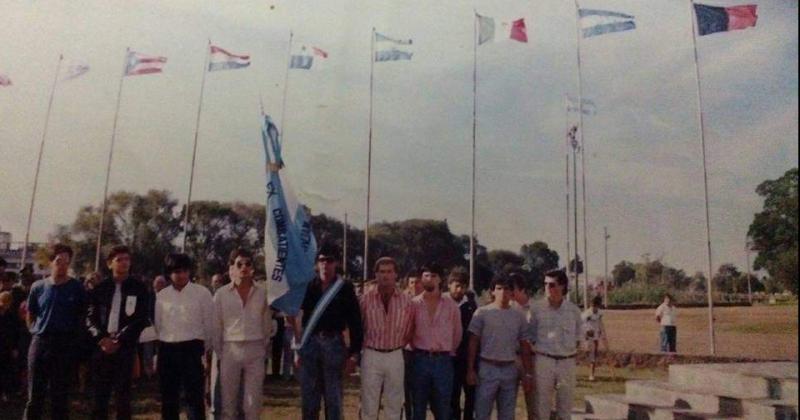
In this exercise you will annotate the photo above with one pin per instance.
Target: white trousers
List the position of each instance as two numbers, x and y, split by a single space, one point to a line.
382 371
242 361
554 377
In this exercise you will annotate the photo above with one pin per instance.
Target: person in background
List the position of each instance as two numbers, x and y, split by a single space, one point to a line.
458 285
56 313
413 288
666 315
10 329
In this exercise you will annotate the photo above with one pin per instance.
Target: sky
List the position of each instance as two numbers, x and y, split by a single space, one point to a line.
643 158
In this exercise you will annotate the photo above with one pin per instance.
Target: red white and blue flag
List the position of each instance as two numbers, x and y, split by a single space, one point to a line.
138 64
220 59
712 19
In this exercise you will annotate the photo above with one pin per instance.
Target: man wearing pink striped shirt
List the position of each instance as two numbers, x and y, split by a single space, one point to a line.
386 314
435 339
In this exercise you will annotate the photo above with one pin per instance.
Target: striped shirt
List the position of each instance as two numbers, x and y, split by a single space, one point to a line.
442 332
385 328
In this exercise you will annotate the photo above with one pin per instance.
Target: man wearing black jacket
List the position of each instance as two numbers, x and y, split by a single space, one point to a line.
117 314
458 284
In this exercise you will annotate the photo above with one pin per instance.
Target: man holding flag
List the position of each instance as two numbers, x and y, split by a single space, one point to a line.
330 305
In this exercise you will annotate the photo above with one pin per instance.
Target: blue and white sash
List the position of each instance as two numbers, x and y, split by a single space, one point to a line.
323 303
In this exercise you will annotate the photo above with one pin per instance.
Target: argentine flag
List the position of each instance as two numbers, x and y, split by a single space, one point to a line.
289 244
386 48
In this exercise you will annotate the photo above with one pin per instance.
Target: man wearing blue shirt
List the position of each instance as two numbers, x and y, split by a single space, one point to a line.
56 313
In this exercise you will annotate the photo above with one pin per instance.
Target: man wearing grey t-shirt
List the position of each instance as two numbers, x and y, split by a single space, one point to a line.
500 332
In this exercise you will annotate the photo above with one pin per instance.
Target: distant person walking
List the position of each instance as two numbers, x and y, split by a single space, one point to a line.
594 332
666 315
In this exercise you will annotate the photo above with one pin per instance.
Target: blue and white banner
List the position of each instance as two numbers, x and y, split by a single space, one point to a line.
289 244
386 48
600 22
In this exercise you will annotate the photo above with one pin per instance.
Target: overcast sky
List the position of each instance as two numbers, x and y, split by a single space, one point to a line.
644 166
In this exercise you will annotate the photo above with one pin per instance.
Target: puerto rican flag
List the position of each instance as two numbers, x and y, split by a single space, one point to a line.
138 64
220 59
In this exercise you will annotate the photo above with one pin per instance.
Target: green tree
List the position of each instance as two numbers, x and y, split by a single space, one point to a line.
623 272
330 230
538 260
504 261
774 230
729 279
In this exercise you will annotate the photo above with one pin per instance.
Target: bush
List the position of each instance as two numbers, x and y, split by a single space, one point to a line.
637 292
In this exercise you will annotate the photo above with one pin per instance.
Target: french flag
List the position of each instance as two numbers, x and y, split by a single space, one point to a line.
223 60
137 64
711 19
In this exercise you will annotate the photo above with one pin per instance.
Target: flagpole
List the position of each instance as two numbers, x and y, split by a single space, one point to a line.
194 149
344 248
583 165
286 85
108 167
474 136
369 152
566 170
39 160
701 123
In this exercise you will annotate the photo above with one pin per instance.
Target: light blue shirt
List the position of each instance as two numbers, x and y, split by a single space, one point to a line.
555 331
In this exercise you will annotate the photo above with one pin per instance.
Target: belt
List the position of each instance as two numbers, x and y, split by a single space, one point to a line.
556 357
384 350
499 363
431 353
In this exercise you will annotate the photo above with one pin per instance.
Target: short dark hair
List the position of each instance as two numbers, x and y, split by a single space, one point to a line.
412 273
458 274
239 252
518 281
329 250
560 276
57 249
431 267
597 301
176 261
384 261
499 280
117 250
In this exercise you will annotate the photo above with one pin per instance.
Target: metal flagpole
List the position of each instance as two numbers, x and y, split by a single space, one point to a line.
194 150
286 85
108 167
39 161
606 237
709 284
369 153
566 167
747 246
344 248
583 163
474 136
575 209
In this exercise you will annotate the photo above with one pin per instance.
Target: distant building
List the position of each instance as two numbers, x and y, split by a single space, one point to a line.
12 252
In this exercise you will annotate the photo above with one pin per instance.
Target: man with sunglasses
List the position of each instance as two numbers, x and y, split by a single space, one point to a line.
330 305
183 319
555 327
242 329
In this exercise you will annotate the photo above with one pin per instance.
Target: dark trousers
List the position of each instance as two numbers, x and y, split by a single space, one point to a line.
50 363
112 372
459 384
321 362
432 384
669 338
180 367
277 346
408 380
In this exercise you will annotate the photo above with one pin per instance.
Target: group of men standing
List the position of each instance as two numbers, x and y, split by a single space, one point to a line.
427 348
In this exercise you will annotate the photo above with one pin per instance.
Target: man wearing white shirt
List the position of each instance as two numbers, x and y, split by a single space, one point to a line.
242 326
184 322
666 315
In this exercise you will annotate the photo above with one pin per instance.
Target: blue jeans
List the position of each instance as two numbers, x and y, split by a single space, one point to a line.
669 335
321 363
432 382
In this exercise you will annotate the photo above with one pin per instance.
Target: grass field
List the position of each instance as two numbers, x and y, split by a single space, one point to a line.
761 332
